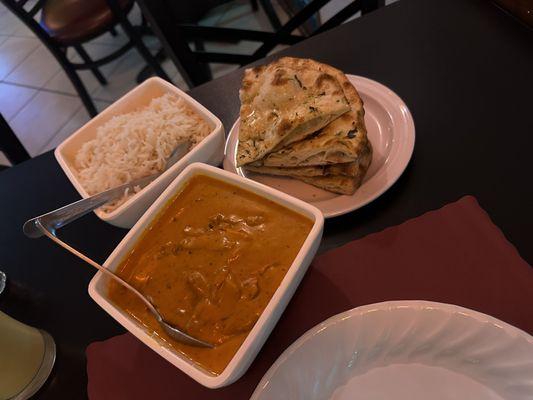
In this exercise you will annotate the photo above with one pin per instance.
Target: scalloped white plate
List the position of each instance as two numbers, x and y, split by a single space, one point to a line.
391 131
405 350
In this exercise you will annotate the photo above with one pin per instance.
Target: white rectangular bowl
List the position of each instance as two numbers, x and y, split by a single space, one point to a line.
210 150
98 287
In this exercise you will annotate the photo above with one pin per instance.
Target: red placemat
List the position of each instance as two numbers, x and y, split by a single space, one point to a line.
453 255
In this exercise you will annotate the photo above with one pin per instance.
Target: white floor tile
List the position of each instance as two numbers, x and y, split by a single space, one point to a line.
214 15
219 70
60 82
135 16
37 69
9 23
38 122
169 67
3 9
152 42
101 105
334 6
179 82
3 159
331 8
3 38
107 38
240 15
122 79
80 118
13 51
23 30
13 98
95 51
242 47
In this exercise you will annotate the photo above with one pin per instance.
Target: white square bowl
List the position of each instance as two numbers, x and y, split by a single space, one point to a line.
98 287
210 150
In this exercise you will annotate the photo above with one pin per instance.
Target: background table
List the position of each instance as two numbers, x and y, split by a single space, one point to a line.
464 68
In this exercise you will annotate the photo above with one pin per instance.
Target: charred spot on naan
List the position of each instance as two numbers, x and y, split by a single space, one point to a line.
257 70
284 127
246 84
324 79
280 78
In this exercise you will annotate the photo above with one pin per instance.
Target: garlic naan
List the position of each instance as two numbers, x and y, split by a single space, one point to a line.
338 178
282 103
346 169
340 141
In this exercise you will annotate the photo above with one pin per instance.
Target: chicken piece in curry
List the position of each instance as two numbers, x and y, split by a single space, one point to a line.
210 263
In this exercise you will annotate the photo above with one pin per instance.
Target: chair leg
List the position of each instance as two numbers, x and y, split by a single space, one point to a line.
10 145
138 43
271 14
85 57
204 67
147 72
255 6
80 88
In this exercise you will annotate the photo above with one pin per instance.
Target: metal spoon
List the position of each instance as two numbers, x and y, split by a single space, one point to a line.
3 280
71 212
48 223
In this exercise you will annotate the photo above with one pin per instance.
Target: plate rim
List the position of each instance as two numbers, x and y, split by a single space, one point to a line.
391 305
402 163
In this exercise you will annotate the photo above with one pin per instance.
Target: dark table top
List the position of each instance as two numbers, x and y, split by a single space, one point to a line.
464 68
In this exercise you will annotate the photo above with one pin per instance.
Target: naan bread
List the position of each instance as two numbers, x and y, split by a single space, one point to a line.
340 141
281 103
346 169
338 178
333 183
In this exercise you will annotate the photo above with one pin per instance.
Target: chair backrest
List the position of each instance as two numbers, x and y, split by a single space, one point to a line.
28 13
192 64
23 7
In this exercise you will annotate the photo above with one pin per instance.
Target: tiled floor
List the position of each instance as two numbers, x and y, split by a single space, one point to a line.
43 108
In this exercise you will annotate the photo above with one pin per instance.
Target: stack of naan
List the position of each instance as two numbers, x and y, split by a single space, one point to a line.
303 119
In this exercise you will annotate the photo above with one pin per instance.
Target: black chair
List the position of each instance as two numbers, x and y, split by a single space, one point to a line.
70 23
193 64
10 145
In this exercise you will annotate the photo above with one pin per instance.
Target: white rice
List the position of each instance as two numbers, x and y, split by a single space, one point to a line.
136 144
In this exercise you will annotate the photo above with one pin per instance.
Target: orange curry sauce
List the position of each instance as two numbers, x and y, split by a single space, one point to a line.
210 263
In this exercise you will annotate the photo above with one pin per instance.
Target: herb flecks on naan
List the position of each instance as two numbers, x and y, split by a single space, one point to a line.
281 104
340 141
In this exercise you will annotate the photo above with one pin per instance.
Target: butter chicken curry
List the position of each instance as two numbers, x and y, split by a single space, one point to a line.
210 262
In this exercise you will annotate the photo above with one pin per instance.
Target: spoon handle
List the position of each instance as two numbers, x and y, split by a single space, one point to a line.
71 212
51 235
62 216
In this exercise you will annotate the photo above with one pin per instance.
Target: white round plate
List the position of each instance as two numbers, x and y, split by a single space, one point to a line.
405 350
391 131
